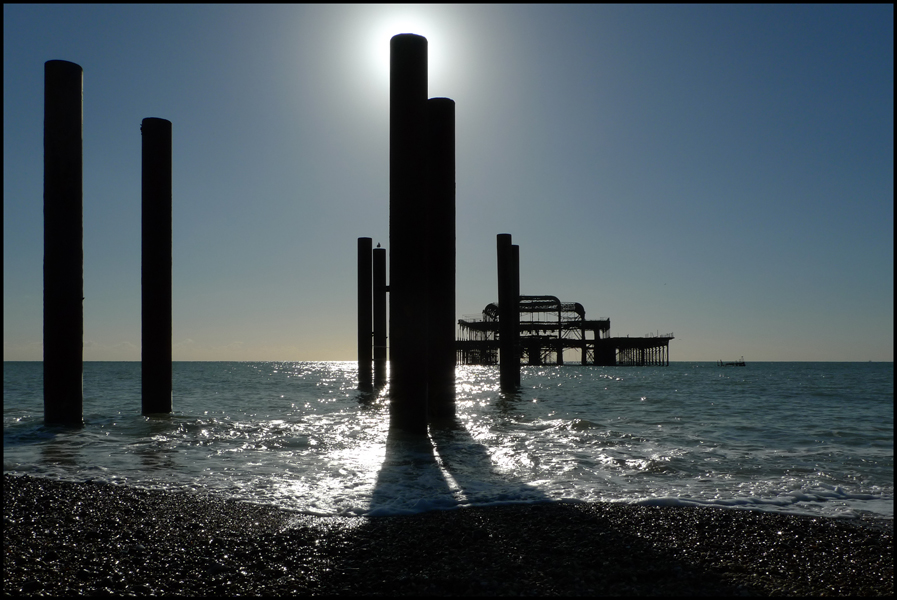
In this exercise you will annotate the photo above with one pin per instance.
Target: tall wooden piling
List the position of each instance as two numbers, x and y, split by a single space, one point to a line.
365 320
379 316
407 233
441 258
63 250
509 363
156 266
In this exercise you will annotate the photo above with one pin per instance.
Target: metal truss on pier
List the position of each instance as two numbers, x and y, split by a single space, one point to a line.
547 328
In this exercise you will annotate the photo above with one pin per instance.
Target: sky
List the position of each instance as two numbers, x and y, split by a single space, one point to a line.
721 173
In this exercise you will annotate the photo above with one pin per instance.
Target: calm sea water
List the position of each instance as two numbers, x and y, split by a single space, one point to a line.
808 438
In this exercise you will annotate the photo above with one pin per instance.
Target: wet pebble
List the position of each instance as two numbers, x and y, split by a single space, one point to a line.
91 538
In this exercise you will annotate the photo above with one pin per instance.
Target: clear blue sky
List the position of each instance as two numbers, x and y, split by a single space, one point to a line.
724 173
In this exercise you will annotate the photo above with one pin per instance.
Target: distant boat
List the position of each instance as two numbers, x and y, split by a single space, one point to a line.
737 363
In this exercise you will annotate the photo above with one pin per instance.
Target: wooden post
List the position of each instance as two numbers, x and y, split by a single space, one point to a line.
380 289
365 321
515 312
506 307
441 258
408 271
156 267
63 250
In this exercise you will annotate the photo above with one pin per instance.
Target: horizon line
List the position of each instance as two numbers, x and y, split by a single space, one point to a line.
568 364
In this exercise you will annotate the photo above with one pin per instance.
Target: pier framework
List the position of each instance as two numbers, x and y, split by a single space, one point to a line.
547 326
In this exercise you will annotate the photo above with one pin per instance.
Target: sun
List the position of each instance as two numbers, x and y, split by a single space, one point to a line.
373 26
405 20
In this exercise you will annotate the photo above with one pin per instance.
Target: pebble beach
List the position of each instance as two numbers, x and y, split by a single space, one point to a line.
63 538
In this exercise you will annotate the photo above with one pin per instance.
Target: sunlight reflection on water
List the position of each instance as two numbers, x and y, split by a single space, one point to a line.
301 436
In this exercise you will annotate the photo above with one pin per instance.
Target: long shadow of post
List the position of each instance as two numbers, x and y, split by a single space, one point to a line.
493 549
410 479
446 469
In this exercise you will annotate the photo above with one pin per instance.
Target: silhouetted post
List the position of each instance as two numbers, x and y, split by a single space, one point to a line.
365 324
441 258
63 251
515 296
506 308
156 267
583 353
407 233
379 316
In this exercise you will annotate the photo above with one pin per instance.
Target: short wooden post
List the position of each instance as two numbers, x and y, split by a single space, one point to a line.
508 367
515 313
365 324
380 289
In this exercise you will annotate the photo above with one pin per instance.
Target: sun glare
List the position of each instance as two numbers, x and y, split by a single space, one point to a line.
406 21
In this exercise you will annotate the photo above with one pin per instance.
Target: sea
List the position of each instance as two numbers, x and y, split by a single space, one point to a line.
810 438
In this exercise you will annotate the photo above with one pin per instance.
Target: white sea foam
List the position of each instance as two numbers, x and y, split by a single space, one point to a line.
793 437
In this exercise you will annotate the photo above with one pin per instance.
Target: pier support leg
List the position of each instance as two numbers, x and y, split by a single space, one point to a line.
156 267
408 273
441 258
583 352
515 314
508 368
63 250
365 311
379 317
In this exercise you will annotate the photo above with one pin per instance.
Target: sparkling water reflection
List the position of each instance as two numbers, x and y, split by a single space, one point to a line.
811 438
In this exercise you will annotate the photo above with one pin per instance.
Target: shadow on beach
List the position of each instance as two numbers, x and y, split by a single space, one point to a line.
506 537
94 538
522 549
443 470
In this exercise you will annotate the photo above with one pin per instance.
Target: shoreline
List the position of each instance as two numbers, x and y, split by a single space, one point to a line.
63 538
